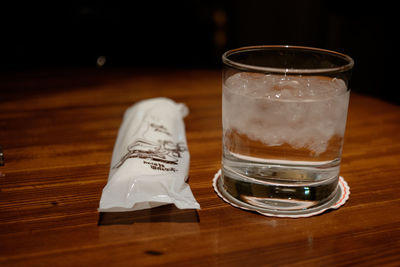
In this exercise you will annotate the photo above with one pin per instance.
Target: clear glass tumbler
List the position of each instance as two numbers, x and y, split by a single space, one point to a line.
284 111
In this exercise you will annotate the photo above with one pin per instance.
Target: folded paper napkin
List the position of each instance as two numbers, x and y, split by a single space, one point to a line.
150 161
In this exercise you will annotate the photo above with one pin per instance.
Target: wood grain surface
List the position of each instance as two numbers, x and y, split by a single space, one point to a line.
57 132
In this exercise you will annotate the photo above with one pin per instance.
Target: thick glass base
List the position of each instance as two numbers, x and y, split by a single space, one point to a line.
279 196
279 187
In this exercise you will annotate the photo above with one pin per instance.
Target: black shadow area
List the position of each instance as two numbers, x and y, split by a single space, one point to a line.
166 213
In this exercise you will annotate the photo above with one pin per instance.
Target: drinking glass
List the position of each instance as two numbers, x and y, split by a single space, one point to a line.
284 111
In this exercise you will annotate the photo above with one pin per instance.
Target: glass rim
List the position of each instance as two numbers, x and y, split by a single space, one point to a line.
242 66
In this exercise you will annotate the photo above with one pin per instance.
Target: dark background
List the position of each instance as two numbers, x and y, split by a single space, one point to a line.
194 34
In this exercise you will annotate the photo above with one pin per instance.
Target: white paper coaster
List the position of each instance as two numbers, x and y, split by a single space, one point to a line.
341 197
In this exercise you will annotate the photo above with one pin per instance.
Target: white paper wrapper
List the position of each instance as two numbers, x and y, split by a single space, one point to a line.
150 161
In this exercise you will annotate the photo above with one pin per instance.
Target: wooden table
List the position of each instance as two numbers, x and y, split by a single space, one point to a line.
57 131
